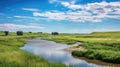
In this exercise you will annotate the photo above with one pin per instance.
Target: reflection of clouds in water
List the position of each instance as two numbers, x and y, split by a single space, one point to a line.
46 44
54 53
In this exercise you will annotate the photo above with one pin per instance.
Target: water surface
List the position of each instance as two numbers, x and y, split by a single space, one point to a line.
54 52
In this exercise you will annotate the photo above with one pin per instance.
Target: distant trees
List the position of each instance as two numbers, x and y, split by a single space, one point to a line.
6 33
40 32
55 33
29 32
19 33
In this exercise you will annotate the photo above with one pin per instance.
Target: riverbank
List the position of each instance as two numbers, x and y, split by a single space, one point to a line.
101 51
79 51
104 51
75 48
99 45
12 56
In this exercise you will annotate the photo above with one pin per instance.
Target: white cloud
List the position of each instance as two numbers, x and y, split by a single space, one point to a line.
71 6
52 1
22 17
29 18
94 7
51 15
91 12
73 1
30 9
65 4
36 14
79 16
59 1
8 26
74 7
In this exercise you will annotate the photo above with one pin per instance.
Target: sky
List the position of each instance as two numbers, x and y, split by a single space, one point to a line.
64 16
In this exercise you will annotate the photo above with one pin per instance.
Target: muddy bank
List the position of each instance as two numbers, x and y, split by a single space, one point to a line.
75 47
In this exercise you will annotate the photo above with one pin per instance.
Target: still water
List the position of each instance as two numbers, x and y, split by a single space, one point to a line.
54 52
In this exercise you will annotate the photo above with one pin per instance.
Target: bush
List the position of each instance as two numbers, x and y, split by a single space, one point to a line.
78 53
29 32
40 32
6 33
19 33
55 33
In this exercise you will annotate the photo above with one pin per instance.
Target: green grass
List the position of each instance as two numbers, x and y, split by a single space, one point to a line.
104 44
99 45
12 56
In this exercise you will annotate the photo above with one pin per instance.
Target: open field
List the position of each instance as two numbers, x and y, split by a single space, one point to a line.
12 56
99 45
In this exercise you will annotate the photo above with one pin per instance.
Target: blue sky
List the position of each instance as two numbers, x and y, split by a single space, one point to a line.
64 16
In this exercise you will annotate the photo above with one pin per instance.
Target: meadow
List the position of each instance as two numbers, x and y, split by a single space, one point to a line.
12 56
103 46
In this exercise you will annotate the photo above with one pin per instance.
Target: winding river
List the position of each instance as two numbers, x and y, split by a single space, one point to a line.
54 52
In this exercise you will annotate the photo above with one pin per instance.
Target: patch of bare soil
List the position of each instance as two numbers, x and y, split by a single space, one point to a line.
75 47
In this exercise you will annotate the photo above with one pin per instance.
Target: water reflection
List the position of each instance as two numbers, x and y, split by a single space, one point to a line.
54 52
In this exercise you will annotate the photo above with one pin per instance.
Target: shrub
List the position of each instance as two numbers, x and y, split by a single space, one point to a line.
78 53
6 33
19 33
55 33
40 32
29 32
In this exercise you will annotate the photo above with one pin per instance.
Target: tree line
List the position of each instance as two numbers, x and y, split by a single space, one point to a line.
20 33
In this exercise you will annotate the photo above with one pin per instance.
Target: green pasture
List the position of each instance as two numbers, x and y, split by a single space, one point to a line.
103 46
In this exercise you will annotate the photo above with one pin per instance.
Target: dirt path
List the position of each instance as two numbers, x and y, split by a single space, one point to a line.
75 47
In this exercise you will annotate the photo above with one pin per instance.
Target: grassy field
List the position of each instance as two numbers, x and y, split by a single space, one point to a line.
99 45
12 56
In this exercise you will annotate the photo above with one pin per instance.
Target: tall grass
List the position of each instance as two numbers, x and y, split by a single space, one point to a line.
99 45
108 52
12 56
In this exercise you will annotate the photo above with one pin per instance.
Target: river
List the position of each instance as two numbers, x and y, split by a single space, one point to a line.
54 52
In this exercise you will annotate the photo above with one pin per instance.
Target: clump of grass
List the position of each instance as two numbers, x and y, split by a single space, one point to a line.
108 52
108 56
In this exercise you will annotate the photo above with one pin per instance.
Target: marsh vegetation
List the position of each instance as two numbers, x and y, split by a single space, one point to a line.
103 46
12 56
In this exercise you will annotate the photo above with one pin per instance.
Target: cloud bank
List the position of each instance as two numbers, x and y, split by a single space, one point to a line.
91 12
16 26
30 9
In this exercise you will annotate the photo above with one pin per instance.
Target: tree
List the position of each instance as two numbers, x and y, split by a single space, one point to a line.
29 32
6 33
55 33
40 32
19 33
